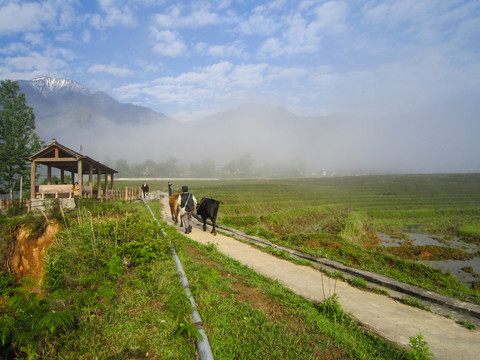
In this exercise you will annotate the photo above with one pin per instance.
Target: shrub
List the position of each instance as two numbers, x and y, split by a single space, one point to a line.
420 349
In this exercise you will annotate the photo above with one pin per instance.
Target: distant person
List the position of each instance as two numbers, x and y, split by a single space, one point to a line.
145 189
170 192
187 204
76 193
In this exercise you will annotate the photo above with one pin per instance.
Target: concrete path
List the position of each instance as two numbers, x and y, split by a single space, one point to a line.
390 319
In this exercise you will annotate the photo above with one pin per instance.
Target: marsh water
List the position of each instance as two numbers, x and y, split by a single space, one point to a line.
453 266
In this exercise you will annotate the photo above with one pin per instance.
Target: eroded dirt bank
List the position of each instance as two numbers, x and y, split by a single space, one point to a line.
25 254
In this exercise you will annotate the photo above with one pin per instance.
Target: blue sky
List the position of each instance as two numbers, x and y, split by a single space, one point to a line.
192 58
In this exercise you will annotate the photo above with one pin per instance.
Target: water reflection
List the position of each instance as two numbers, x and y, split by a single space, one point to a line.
453 266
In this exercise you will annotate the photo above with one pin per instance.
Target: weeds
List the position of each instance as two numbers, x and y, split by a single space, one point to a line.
420 349
29 322
277 252
331 308
415 303
358 282
467 324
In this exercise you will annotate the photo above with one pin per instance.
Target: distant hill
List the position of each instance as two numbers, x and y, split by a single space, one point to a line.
105 128
63 105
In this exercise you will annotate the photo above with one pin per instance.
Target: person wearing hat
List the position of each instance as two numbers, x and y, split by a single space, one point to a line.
187 203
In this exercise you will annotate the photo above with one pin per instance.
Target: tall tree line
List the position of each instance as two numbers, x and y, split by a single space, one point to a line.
241 167
18 139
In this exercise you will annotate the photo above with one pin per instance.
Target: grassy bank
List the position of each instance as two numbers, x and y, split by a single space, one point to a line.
111 291
339 218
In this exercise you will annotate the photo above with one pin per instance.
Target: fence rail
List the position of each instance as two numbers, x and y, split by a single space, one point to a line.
6 204
127 194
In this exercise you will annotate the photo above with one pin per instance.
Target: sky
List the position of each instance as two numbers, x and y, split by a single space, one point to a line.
415 62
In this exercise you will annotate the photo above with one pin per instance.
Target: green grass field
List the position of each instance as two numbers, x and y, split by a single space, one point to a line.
111 291
340 218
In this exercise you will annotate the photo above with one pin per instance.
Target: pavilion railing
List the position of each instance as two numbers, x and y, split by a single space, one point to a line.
127 194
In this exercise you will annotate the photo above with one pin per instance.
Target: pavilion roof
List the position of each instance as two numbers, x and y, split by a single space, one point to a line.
61 157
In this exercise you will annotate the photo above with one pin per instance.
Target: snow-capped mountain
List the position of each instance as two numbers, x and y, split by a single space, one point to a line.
64 103
74 114
48 86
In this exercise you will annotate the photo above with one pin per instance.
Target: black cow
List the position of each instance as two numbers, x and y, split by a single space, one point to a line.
207 208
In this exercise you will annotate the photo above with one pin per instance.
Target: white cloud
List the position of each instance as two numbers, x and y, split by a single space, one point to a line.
34 38
331 17
200 15
23 17
260 22
248 76
167 43
14 48
237 49
114 16
18 17
223 83
86 36
56 52
32 65
273 47
305 29
110 69
64 37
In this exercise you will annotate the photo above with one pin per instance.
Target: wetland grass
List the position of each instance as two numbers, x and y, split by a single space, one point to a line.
339 218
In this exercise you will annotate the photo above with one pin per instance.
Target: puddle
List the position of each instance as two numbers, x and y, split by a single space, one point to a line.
454 266
417 239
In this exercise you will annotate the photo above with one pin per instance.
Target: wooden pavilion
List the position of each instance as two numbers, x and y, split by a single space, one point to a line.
60 157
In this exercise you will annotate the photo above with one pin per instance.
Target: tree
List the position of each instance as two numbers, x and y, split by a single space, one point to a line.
241 167
17 137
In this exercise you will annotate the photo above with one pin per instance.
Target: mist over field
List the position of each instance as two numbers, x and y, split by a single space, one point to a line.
343 144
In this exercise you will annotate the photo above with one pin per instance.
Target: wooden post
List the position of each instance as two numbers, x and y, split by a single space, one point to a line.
99 183
49 175
105 185
33 193
90 180
62 176
80 177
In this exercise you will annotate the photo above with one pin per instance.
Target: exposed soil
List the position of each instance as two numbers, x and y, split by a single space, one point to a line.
26 254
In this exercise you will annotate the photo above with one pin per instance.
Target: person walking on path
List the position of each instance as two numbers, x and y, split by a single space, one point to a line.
145 189
187 203
170 192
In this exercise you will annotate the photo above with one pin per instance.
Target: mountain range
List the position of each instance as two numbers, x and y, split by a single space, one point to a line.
77 116
105 128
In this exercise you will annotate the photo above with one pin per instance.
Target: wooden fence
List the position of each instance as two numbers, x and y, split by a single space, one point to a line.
8 203
127 194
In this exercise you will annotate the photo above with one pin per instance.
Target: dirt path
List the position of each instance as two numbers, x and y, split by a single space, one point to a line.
391 319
